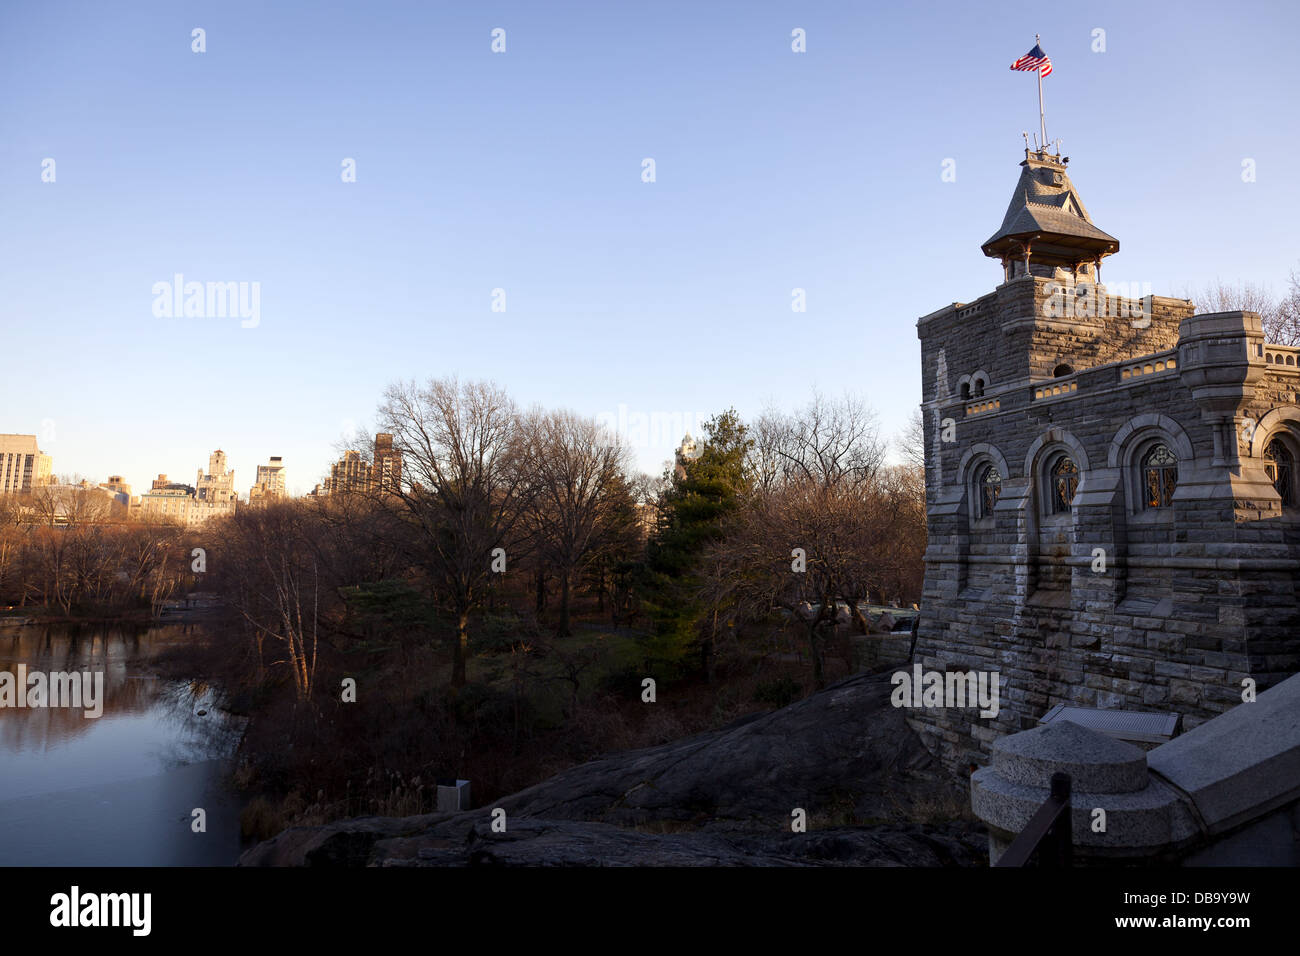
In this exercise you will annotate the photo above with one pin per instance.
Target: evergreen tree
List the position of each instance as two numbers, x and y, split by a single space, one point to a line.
692 511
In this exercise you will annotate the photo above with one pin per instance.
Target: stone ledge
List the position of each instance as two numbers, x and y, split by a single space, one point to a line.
1241 763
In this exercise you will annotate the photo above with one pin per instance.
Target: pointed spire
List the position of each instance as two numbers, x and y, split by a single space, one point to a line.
1046 221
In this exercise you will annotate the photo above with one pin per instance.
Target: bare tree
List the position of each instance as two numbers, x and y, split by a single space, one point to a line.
1286 331
899 560
14 544
465 482
767 559
765 465
1280 315
273 579
70 501
357 538
827 443
164 577
74 556
577 468
814 535
911 443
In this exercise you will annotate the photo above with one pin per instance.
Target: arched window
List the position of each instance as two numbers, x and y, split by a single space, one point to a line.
1062 370
977 387
1279 464
1159 472
1063 479
988 486
965 391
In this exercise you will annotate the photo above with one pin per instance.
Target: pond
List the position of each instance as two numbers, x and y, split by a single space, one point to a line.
119 789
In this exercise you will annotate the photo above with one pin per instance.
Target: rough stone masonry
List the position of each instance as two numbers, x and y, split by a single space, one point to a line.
1110 484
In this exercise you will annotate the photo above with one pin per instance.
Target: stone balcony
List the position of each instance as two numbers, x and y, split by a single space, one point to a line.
1282 358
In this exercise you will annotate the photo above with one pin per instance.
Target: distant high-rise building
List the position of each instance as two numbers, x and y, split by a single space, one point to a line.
169 503
212 496
218 485
352 473
116 484
23 466
387 464
118 488
270 483
272 475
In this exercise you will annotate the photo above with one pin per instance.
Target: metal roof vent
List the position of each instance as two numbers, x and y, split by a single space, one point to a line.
1120 724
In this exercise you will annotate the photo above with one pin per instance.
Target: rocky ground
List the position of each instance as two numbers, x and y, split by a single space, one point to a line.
723 798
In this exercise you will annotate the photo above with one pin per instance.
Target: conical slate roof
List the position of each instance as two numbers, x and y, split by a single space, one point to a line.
1046 211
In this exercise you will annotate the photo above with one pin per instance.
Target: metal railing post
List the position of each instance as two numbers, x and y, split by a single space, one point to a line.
1048 836
1060 835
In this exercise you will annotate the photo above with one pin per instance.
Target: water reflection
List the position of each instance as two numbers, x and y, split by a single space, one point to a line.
67 780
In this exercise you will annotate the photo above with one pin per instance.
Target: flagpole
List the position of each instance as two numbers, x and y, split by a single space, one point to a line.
1042 117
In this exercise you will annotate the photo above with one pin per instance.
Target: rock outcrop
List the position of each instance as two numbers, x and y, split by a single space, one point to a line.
716 799
845 749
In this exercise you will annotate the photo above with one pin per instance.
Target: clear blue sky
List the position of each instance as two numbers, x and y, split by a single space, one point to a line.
522 171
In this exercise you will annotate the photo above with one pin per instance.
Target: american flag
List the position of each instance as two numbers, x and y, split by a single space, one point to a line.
1035 59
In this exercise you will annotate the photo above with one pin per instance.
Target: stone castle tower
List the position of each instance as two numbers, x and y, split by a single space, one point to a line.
1111 488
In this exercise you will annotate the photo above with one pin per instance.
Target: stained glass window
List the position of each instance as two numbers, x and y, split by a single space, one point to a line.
990 489
1064 480
1159 477
1280 466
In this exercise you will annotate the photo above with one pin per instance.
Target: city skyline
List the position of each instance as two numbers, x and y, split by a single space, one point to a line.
522 172
24 468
